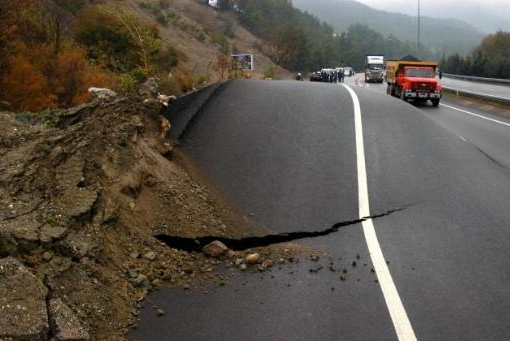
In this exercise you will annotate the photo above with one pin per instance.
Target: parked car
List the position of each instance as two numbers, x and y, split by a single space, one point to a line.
316 77
348 71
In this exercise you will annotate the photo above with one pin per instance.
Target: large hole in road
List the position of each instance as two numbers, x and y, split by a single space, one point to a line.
196 244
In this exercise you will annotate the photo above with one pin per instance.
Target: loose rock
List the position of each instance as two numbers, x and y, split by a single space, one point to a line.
64 323
267 263
151 255
102 93
215 249
23 313
149 89
252 258
141 281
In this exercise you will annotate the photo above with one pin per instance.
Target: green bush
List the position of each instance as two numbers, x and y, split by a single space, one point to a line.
166 59
201 37
270 73
144 5
129 83
72 6
221 41
162 18
169 85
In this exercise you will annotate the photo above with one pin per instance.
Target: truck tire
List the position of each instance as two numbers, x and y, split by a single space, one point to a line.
402 96
435 102
392 90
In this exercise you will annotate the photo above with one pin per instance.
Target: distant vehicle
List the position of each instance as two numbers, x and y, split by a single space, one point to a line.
413 79
374 67
299 77
348 71
315 77
327 75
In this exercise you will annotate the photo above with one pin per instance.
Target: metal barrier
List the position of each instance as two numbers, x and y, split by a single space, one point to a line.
485 97
479 79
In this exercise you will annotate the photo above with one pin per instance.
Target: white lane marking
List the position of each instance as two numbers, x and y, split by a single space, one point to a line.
476 115
461 137
396 309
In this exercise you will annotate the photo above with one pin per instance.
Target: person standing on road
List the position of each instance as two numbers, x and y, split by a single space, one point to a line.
341 74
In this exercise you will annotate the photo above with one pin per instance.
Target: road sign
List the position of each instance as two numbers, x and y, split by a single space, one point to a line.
242 61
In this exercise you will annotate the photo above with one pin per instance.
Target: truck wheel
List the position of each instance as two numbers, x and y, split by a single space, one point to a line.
435 102
402 97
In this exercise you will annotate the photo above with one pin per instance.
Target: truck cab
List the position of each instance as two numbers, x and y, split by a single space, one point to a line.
374 69
414 80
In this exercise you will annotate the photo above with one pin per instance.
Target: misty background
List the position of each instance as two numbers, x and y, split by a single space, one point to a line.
487 16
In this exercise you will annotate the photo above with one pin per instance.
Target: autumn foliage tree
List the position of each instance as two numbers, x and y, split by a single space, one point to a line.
116 38
38 68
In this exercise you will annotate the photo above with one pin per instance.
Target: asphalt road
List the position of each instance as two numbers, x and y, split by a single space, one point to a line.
287 152
501 91
484 130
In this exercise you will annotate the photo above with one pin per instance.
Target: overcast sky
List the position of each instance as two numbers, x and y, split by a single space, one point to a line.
430 6
486 15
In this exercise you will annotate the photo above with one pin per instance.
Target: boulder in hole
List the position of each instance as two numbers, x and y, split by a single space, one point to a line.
215 249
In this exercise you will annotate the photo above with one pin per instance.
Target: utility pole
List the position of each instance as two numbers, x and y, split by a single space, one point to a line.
419 26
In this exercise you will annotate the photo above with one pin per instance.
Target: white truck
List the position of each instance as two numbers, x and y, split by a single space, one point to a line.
374 69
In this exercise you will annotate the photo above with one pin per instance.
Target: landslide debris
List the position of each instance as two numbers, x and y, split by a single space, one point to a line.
82 192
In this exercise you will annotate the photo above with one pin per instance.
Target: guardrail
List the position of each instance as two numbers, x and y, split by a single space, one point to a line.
478 79
485 97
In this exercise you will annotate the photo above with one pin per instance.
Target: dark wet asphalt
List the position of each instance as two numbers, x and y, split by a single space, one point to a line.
285 151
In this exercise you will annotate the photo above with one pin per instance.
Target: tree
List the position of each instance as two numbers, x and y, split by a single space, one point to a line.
222 65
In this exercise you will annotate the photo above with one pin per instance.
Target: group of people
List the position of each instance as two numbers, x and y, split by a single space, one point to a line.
328 76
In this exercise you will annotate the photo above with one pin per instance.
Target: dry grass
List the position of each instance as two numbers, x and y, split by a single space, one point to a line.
191 36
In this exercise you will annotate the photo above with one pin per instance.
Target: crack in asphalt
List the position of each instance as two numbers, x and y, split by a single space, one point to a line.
196 244
490 157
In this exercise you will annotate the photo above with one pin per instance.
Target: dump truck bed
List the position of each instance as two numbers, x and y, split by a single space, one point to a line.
393 66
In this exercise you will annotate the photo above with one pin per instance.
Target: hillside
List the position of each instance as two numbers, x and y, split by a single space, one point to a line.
199 31
485 18
440 35
52 51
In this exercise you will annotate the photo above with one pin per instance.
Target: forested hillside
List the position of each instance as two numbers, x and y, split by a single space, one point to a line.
52 51
300 42
490 59
438 35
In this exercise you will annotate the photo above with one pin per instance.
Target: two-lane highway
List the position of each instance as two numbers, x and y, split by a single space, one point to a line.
290 152
484 130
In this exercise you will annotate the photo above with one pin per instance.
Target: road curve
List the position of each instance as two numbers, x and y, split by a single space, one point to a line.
286 152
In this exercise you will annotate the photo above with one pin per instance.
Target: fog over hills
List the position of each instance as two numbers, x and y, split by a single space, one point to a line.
442 35
485 15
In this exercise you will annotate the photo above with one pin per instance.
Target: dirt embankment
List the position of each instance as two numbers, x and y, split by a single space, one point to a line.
79 205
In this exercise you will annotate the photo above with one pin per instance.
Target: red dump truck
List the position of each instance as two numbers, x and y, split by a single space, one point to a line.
413 80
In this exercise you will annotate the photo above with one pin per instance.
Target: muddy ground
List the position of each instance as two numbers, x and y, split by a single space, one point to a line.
83 192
